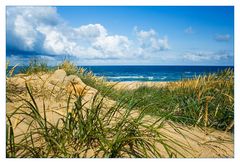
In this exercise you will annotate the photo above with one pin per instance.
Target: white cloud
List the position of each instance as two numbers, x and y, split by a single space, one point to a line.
118 45
55 42
222 37
91 31
206 56
149 40
22 23
42 30
189 30
196 56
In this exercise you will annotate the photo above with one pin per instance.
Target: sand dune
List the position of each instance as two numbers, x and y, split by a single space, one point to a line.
57 86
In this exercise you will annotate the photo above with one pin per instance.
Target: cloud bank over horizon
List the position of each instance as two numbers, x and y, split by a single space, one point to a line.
42 32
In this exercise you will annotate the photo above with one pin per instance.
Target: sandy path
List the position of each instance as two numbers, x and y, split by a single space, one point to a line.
135 85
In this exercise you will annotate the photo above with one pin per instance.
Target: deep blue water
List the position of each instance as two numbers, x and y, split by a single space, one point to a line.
152 73
149 73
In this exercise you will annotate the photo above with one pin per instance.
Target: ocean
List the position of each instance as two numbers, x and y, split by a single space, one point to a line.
149 73
152 73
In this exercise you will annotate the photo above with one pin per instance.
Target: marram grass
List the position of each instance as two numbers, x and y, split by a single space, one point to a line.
95 131
205 101
85 131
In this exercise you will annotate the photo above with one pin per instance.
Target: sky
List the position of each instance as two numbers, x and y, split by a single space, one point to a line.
121 35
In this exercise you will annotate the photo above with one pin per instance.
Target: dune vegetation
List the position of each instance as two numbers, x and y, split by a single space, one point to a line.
206 101
76 114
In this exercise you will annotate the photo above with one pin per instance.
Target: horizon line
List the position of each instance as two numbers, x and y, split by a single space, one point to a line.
149 65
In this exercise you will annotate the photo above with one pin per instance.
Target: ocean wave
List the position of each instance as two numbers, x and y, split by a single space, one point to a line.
145 78
150 78
164 77
126 77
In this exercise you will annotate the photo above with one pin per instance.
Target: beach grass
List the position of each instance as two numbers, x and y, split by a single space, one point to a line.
205 101
111 132
86 132
36 65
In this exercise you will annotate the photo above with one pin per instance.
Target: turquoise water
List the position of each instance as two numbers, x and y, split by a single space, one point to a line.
152 73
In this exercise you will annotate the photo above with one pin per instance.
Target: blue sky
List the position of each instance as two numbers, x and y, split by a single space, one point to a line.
122 35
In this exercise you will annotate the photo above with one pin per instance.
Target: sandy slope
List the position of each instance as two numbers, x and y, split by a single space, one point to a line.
135 85
57 86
